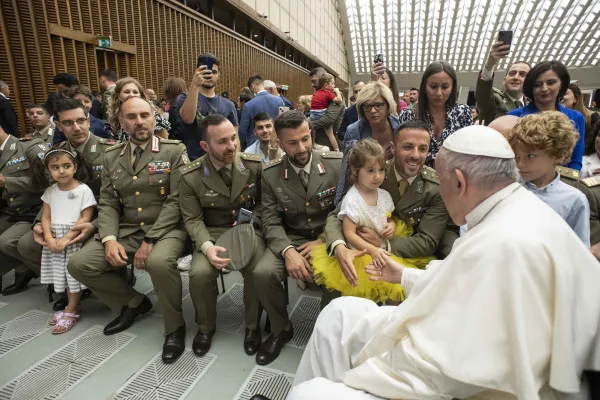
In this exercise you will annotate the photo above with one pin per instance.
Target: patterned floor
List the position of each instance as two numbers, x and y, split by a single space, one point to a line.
85 364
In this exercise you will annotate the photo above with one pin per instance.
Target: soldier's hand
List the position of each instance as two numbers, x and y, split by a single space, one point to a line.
595 249
369 235
345 257
85 230
38 235
297 266
115 254
141 256
213 257
307 247
499 51
390 271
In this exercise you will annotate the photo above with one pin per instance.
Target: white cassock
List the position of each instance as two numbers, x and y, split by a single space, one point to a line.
513 311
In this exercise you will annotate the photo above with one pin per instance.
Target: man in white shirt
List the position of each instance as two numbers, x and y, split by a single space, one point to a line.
512 312
492 102
266 145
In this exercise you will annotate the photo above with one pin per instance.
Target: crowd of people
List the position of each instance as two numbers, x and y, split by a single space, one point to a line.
481 241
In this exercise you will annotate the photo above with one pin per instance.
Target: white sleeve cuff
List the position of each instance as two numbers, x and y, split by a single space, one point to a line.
205 246
107 238
333 245
487 75
286 249
409 277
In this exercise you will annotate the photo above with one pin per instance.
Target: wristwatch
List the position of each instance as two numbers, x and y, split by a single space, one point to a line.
149 240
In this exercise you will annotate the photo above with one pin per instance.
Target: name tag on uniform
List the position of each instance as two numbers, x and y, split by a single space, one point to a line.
159 167
97 168
15 161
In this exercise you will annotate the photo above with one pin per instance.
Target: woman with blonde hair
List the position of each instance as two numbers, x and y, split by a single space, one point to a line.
129 87
304 104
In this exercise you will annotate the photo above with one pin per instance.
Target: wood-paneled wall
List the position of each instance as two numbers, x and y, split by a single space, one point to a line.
152 40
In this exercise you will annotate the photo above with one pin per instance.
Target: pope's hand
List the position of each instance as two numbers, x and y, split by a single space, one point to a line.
391 271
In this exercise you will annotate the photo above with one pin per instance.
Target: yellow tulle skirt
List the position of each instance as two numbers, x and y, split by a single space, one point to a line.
327 272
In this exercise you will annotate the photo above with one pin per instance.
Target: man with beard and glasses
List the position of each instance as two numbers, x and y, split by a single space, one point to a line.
297 195
72 118
202 100
415 191
213 190
139 223
492 102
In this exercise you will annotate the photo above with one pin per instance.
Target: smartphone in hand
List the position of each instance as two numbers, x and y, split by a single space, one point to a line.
206 60
245 216
379 58
505 37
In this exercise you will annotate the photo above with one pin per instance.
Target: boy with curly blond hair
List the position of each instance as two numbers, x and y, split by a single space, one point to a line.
541 143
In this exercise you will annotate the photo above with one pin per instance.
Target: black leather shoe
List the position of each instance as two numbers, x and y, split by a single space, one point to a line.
270 349
22 279
174 345
125 319
259 397
202 342
252 341
61 303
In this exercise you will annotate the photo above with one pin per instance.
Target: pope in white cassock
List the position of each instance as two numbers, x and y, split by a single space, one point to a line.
512 312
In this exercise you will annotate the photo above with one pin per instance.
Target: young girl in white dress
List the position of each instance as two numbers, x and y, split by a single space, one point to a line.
66 203
364 205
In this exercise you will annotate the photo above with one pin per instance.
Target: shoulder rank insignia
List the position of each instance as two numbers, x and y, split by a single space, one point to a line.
251 157
429 174
116 146
332 154
192 167
591 181
568 173
272 163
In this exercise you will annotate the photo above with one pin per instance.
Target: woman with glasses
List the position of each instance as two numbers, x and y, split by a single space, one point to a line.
376 109
437 106
545 85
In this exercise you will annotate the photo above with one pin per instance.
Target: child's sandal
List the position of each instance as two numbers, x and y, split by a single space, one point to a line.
65 325
56 317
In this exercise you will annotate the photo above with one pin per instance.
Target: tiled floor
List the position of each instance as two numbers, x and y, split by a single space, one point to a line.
85 364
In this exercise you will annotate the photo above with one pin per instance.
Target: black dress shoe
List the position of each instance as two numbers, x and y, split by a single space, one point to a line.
252 341
270 349
125 319
174 345
61 303
22 279
202 342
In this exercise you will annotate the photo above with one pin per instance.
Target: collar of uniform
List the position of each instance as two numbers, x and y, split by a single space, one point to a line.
478 213
132 146
218 165
522 99
81 147
399 177
306 168
44 130
546 188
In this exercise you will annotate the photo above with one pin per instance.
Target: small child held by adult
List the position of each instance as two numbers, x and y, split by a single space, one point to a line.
320 101
365 205
542 142
69 201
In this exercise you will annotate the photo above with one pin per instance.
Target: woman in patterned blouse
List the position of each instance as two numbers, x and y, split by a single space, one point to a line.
126 88
437 106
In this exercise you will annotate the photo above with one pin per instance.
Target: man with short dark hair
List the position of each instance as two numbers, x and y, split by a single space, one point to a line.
200 101
271 87
266 145
333 116
350 114
263 101
213 190
139 222
108 82
62 81
244 98
413 97
40 121
8 116
298 191
492 102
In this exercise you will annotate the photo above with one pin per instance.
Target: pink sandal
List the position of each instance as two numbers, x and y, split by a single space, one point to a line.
65 325
56 317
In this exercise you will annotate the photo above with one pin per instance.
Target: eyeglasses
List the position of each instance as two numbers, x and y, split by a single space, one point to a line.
69 123
376 106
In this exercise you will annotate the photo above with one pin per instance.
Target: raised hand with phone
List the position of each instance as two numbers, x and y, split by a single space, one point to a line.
499 50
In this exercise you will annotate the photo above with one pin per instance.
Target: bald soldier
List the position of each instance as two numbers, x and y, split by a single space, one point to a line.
73 120
213 190
139 223
19 205
298 192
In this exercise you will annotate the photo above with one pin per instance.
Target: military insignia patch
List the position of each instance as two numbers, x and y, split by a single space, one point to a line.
242 167
42 147
159 167
97 168
420 187
155 144
14 146
205 171
15 161
321 168
93 149
185 159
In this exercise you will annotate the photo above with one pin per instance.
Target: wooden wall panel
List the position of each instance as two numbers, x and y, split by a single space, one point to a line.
167 40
